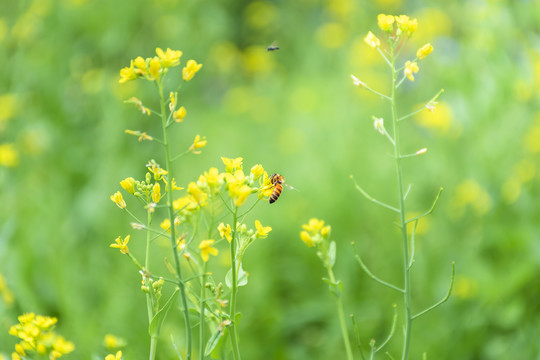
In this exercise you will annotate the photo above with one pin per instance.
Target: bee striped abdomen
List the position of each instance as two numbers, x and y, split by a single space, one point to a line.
277 180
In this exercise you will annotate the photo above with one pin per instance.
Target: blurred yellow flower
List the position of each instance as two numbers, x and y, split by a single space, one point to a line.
118 199
180 114
314 225
331 35
121 244
197 193
155 68
198 143
262 231
385 22
118 356
9 156
372 40
407 25
190 70
532 137
8 107
465 287
169 58
128 184
424 51
206 249
165 224
112 342
241 194
307 239
225 231
471 193
439 120
257 171
411 68
128 73
232 164
260 14
156 193
6 293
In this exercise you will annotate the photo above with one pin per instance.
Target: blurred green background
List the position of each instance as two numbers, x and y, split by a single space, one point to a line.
296 112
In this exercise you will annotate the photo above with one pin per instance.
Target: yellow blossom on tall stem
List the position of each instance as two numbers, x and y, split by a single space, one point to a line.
372 40
155 68
169 58
121 244
424 51
128 184
262 231
257 171
118 356
198 143
411 68
232 164
118 200
127 73
190 70
225 231
180 114
385 22
206 249
156 193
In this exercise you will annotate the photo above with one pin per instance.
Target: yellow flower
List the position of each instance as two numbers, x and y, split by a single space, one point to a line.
225 231
180 114
118 200
241 194
165 224
372 40
156 193
190 69
118 356
128 184
212 177
257 171
262 231
266 188
6 293
207 249
385 22
411 68
127 73
424 51
198 143
155 68
325 231
121 244
156 170
314 225
232 164
9 157
140 64
61 346
169 58
307 239
197 194
407 25
113 342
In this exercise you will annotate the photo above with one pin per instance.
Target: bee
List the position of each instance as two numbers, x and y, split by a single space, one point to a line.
273 47
277 181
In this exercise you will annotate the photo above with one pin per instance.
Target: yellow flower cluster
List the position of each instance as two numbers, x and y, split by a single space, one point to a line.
154 67
404 23
314 232
37 336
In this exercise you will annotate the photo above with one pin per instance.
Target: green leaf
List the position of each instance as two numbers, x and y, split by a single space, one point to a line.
215 340
241 278
157 320
336 288
332 253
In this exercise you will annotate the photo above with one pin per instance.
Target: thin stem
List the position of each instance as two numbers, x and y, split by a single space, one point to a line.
153 346
401 198
429 211
203 306
169 170
370 274
372 199
341 316
444 299
149 300
357 337
234 285
392 330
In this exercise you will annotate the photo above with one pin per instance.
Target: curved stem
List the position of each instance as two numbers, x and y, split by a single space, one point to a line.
234 280
169 170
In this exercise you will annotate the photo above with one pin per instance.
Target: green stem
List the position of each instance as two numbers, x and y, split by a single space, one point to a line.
403 224
201 320
149 302
169 170
341 315
234 340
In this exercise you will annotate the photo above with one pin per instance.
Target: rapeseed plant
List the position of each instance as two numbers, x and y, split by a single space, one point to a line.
397 30
191 225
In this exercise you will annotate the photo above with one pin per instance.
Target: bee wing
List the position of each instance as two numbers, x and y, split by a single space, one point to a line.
291 187
274 44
